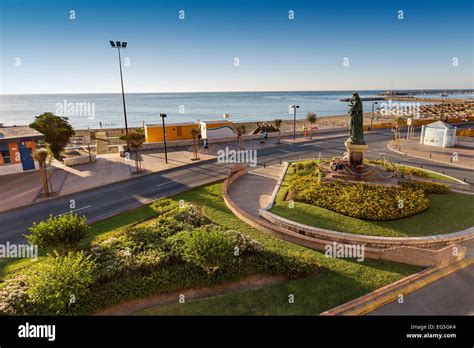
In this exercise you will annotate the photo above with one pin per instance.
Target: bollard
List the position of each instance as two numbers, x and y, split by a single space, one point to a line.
430 155
464 179
279 161
443 171
263 164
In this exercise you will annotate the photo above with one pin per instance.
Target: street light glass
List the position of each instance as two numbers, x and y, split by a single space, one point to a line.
124 44
117 43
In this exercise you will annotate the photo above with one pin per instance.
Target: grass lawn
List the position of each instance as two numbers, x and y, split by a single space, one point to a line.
339 281
446 213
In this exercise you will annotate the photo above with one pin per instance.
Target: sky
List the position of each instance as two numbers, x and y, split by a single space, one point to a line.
238 45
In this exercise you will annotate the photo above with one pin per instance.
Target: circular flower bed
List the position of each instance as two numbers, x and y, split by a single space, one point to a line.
362 200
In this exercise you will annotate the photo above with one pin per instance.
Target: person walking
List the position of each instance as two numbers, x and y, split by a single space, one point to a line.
206 146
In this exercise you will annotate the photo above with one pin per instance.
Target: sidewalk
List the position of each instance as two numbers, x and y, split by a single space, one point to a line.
412 147
22 189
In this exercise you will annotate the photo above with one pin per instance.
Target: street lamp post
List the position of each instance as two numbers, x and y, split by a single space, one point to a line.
118 45
294 120
163 116
372 115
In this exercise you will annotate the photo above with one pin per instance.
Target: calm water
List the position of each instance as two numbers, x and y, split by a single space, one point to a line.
87 110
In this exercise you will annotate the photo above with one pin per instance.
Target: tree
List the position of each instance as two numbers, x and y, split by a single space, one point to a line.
42 157
57 284
56 129
135 141
311 118
277 124
195 133
241 130
58 234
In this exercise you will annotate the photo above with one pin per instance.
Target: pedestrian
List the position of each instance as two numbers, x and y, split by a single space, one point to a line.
206 146
305 130
100 124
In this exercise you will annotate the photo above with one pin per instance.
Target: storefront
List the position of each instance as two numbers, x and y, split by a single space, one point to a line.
17 147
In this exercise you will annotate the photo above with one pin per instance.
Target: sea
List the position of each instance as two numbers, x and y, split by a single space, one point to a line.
86 111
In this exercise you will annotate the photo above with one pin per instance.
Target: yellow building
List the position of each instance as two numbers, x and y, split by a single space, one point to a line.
182 131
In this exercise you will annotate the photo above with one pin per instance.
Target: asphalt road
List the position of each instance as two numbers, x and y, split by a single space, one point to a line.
109 200
452 295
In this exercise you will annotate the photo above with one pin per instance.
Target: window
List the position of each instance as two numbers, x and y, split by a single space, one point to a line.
6 156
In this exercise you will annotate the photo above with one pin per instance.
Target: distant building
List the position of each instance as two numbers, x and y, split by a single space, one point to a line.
182 131
17 146
438 134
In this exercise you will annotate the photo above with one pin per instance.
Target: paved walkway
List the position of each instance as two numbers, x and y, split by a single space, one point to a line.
254 190
17 190
457 156
451 295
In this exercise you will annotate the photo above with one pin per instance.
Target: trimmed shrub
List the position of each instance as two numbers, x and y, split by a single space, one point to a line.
62 233
56 285
358 200
208 248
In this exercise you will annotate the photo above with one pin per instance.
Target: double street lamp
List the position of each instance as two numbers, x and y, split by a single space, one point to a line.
118 45
294 120
372 115
163 116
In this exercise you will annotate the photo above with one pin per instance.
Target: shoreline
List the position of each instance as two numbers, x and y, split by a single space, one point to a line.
322 122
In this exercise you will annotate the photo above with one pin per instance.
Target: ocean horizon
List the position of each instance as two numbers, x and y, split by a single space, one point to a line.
106 109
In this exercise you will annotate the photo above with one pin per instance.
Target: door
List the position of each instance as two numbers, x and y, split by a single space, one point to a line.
27 158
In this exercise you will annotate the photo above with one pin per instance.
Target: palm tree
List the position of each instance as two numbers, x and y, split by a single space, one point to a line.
240 129
195 133
277 124
311 118
135 141
42 157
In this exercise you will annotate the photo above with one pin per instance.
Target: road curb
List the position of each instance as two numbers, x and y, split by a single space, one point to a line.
378 298
427 159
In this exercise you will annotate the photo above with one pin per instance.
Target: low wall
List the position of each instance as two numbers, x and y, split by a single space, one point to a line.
392 251
432 242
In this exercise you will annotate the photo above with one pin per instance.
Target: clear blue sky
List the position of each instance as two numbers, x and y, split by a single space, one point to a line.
60 55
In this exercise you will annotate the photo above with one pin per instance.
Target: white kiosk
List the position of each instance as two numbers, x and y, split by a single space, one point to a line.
438 134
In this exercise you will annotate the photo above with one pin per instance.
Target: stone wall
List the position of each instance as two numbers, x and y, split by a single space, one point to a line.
439 253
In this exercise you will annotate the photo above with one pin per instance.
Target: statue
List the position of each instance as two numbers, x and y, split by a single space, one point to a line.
356 129
355 144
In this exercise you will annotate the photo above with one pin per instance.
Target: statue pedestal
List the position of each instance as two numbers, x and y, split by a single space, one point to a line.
355 153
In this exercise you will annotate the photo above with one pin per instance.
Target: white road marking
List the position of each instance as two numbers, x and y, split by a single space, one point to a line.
165 183
75 210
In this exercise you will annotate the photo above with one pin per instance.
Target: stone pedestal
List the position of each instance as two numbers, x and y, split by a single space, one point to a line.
355 153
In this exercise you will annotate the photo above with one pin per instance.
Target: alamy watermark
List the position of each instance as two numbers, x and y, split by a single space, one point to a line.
400 109
9 250
237 156
67 108
345 251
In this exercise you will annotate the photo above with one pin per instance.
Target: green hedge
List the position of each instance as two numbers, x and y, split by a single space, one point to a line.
359 200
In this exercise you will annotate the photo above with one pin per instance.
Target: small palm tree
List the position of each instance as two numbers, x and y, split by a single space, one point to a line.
241 130
311 118
42 157
195 133
277 124
135 141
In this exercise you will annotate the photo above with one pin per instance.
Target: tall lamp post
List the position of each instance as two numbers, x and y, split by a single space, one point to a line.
163 116
372 115
294 120
118 45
